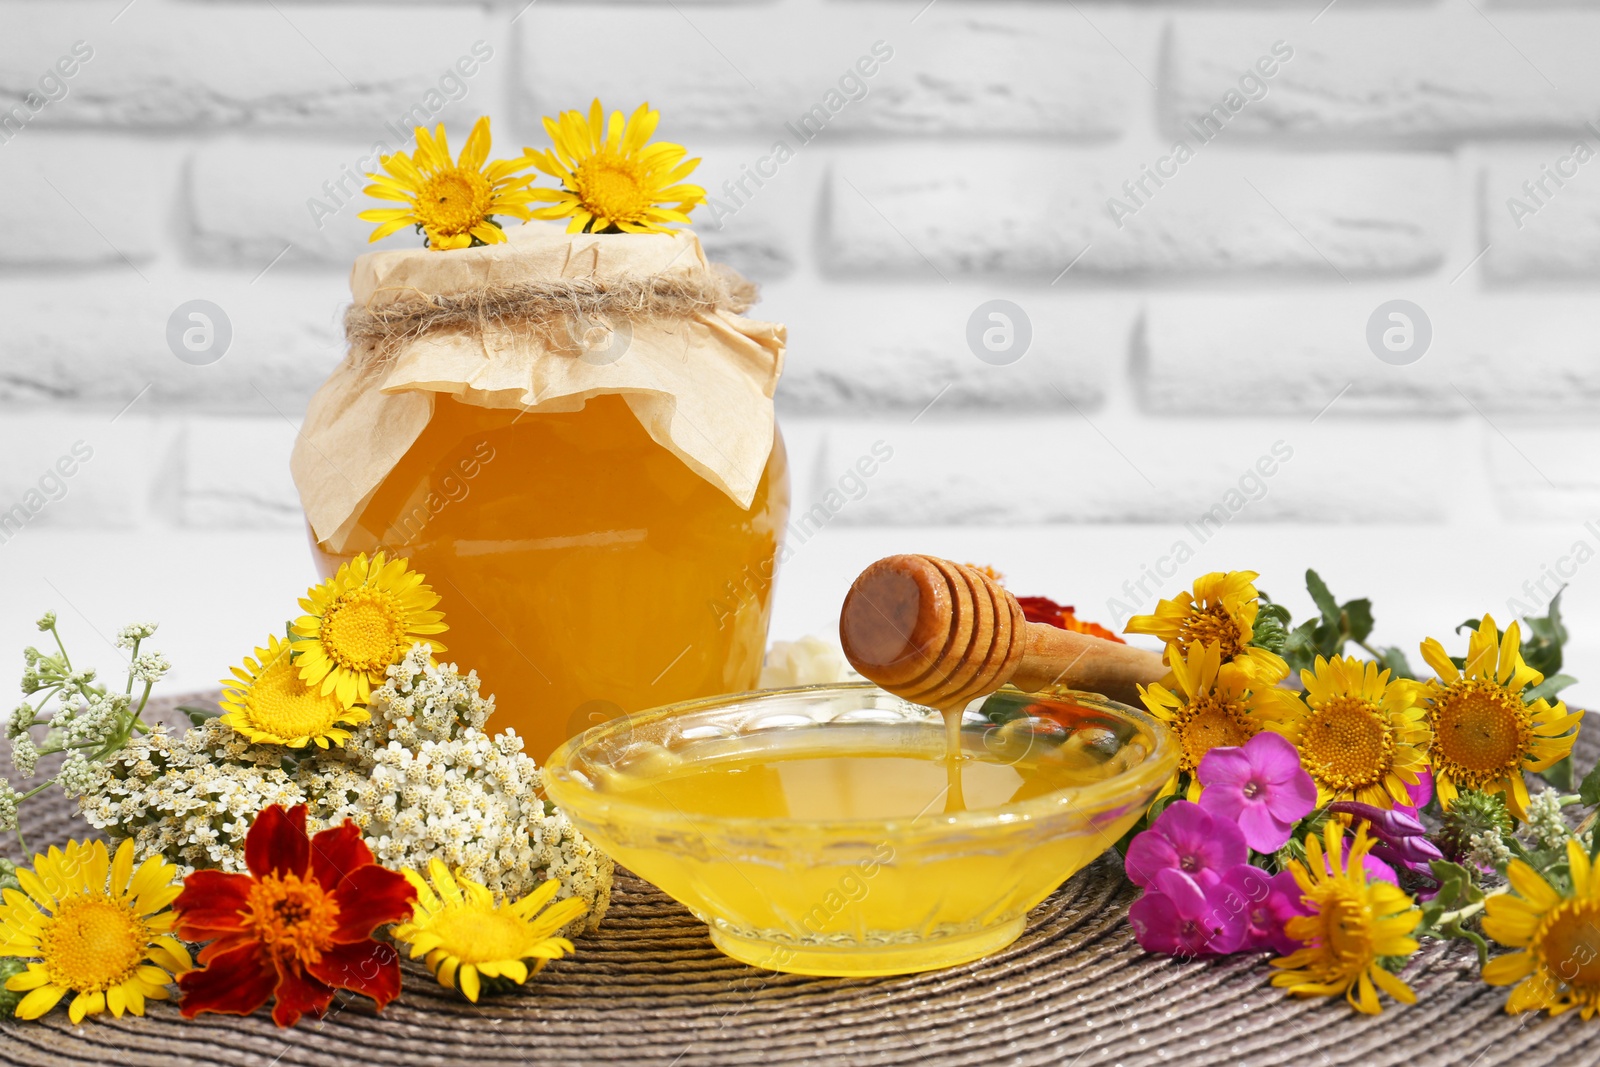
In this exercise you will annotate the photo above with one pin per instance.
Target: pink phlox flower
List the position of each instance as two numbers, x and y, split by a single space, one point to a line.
1188 839
1259 785
1178 916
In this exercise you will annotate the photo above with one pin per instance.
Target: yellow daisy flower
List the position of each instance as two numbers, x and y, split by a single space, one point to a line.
270 704
1213 704
1484 734
1221 610
359 622
611 178
1361 736
1559 965
1352 924
452 201
467 937
108 941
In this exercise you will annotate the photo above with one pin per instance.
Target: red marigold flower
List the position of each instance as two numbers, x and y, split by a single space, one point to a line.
296 928
1063 616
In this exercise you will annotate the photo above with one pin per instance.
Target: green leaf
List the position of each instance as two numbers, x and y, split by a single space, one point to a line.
199 715
1300 647
1470 624
1322 597
1456 886
1560 774
1589 790
1454 929
9 999
1394 658
1546 636
1329 639
1548 688
1358 618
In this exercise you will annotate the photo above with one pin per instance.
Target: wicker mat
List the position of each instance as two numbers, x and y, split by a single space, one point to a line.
649 988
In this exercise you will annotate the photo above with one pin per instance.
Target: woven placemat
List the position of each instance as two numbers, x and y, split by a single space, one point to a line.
650 988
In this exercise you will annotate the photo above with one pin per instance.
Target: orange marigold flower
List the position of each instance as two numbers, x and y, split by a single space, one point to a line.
1063 616
295 928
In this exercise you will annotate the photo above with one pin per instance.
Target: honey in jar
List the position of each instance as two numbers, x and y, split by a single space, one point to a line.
584 570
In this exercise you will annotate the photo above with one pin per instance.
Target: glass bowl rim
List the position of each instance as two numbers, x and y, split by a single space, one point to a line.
1079 800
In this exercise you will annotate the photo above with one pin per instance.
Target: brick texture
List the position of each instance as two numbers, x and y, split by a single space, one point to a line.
856 345
1541 211
283 343
1439 76
1228 356
998 68
932 213
182 66
60 211
1101 469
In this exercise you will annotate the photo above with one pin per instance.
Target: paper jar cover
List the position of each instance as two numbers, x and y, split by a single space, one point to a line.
700 383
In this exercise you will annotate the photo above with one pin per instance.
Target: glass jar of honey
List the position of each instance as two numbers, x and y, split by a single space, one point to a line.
584 571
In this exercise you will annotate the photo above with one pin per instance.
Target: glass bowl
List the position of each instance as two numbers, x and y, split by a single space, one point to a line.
749 810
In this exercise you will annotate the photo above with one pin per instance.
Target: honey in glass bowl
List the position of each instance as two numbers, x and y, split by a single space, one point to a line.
812 828
584 570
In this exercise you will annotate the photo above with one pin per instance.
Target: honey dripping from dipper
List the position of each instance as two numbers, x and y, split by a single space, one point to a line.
943 634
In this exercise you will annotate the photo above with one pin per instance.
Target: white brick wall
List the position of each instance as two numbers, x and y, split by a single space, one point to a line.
206 150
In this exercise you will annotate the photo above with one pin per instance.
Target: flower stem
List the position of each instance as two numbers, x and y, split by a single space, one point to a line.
66 660
1469 910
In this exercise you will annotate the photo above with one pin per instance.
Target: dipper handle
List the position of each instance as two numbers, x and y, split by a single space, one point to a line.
943 634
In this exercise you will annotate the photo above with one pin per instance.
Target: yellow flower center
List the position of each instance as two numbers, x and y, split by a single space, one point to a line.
1212 625
1344 927
452 202
1207 722
282 705
1567 945
363 630
295 919
1480 731
92 943
612 186
1347 743
480 935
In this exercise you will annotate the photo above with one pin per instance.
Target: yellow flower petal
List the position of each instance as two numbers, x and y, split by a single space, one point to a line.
39 1001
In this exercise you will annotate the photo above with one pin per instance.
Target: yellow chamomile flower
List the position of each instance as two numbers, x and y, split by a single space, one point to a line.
359 622
467 937
611 177
268 702
1484 733
1558 967
452 201
1361 736
94 926
1213 704
1353 923
1221 610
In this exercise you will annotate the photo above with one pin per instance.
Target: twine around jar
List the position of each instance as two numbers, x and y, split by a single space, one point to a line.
375 333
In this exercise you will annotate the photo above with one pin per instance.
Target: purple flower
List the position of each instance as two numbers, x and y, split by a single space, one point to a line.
1400 837
1261 786
1177 916
1187 839
1266 902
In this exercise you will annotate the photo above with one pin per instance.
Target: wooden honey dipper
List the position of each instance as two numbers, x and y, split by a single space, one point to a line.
942 634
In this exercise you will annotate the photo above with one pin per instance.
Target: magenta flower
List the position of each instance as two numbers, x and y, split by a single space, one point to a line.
1187 839
1261 786
1266 902
1420 793
1400 836
1178 916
